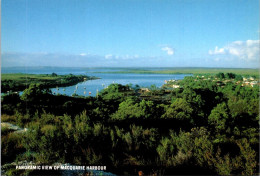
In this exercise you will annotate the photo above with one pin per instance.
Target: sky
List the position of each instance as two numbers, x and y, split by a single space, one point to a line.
130 33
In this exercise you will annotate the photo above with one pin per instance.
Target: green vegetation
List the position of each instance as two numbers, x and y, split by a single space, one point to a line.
19 82
195 71
199 125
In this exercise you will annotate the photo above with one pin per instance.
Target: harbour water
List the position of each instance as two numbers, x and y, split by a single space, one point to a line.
91 87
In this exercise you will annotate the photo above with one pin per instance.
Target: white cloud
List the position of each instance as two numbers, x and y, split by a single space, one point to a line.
168 49
244 50
129 57
108 56
238 42
217 51
252 42
121 57
83 54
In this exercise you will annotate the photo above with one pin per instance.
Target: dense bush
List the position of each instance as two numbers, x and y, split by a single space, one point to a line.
201 128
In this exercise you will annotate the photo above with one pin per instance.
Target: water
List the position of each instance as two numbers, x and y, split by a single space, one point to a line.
91 87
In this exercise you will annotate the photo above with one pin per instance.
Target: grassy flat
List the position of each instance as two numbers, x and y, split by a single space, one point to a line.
196 71
19 81
21 77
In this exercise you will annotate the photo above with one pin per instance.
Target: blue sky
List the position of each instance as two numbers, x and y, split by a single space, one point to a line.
145 33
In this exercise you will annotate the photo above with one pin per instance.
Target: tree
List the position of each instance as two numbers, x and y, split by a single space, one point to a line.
238 78
230 75
34 93
114 93
219 117
128 109
54 75
220 75
180 109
